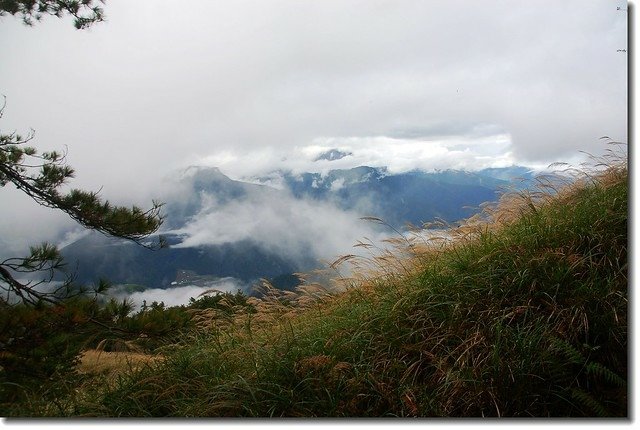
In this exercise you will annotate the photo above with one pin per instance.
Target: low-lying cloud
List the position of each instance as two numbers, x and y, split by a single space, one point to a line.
178 295
397 154
294 228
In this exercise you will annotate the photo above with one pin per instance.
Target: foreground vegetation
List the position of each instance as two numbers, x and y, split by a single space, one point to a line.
523 314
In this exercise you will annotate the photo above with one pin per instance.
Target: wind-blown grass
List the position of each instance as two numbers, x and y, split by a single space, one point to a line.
523 313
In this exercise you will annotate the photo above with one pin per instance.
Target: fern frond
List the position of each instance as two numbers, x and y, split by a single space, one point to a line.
587 400
597 369
567 350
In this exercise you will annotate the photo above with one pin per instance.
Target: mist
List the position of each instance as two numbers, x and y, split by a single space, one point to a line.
175 296
294 228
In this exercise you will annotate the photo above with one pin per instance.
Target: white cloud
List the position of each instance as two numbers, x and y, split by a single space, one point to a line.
289 227
337 184
176 296
397 154
159 83
24 223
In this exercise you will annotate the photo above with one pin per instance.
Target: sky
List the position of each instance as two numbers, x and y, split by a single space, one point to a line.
253 86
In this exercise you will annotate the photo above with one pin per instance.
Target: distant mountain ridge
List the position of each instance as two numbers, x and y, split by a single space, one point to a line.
413 197
332 155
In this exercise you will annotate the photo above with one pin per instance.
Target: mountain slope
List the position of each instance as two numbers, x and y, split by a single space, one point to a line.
525 317
221 227
96 256
409 198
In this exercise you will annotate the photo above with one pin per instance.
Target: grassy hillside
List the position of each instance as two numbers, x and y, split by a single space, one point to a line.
524 313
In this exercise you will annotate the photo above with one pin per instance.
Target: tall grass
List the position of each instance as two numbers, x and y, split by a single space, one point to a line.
522 314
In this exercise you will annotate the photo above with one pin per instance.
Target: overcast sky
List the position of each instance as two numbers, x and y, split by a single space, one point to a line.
251 86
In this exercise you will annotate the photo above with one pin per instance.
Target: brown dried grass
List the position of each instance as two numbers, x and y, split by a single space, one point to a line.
94 361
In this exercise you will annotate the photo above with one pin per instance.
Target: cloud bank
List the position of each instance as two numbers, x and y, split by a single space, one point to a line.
397 154
160 85
174 296
294 228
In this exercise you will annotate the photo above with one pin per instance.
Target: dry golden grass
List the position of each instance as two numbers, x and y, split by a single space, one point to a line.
407 253
109 363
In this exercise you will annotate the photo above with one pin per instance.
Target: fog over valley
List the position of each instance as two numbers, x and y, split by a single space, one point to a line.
232 234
